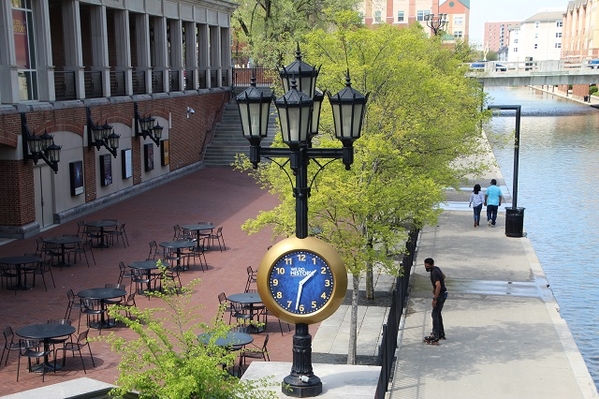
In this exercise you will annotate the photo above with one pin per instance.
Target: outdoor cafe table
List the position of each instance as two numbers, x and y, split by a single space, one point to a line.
147 266
63 241
198 228
248 300
20 264
45 332
101 294
102 224
233 339
178 245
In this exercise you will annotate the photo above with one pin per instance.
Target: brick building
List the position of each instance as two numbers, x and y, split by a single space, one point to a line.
71 67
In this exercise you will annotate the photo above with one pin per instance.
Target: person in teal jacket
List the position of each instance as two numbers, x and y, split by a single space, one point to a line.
493 198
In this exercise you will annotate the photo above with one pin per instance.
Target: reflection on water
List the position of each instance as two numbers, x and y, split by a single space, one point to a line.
558 177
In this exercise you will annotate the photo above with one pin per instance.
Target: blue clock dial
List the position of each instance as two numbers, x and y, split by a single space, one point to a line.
301 282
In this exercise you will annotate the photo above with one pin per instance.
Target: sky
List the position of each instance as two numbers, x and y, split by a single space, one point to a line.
482 11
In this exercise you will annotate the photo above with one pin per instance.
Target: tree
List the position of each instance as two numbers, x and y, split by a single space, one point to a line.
167 361
422 125
265 29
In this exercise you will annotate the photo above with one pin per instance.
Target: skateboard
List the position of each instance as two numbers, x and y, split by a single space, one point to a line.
431 340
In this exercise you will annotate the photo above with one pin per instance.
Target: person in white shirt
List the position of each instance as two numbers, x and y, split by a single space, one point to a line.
477 199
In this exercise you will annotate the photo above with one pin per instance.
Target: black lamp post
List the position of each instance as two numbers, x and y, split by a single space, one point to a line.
436 22
39 147
514 215
299 112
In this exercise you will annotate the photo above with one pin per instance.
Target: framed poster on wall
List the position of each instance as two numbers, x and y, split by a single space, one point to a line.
76 173
127 166
105 170
164 155
149 156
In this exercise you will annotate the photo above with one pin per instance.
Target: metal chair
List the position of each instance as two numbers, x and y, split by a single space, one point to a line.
129 303
74 301
9 344
40 269
92 309
81 229
251 278
218 236
7 273
119 234
155 252
140 279
82 249
115 301
124 272
254 352
76 346
59 340
32 349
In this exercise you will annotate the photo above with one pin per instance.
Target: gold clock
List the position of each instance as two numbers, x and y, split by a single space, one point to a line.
302 280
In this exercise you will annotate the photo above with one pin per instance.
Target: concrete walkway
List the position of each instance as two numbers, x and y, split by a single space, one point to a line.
505 337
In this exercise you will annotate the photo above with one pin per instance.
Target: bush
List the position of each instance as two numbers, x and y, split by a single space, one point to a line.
167 361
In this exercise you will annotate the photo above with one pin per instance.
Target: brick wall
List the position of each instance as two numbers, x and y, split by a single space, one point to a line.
188 138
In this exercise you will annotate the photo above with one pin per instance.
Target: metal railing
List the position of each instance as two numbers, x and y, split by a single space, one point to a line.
242 77
139 81
64 85
391 328
117 83
93 84
158 81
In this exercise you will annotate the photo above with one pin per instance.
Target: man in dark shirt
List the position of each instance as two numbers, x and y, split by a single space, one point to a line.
439 297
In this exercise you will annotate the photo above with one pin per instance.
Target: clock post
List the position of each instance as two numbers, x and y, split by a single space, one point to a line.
299 113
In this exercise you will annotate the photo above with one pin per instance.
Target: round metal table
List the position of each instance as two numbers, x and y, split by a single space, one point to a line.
101 294
45 332
19 263
63 241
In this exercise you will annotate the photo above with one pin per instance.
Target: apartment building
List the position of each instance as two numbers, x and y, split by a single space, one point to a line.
580 39
405 12
497 35
110 83
538 38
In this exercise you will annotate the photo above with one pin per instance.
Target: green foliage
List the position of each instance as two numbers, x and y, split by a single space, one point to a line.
267 28
423 116
167 361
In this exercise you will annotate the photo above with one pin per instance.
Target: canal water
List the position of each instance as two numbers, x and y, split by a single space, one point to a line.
558 186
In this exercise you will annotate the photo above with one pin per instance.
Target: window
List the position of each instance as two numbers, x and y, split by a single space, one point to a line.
558 45
536 46
515 41
458 20
400 16
420 14
515 49
559 24
536 35
558 34
22 17
377 16
458 34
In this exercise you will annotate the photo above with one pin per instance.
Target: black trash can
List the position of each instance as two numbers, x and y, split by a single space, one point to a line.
586 99
514 222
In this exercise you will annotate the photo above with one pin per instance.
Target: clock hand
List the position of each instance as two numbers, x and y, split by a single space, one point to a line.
301 286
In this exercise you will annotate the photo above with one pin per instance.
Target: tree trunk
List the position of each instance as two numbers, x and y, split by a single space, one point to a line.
369 277
353 329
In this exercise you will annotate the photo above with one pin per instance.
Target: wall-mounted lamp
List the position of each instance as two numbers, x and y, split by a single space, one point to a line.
190 111
39 147
99 136
145 127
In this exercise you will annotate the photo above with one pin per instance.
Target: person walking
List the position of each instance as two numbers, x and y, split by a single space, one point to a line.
477 199
439 297
493 198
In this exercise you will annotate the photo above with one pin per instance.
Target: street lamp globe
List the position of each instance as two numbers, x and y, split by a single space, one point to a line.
295 112
303 74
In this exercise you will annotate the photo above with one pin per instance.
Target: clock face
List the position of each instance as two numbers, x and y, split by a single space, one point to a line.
302 280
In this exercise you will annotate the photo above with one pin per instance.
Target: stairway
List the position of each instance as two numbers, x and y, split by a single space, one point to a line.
228 138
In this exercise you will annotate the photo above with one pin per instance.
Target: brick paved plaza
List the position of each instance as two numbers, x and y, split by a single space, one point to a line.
220 195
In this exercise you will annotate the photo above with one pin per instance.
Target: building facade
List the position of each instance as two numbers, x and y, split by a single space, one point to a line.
497 35
72 67
538 38
580 40
405 12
